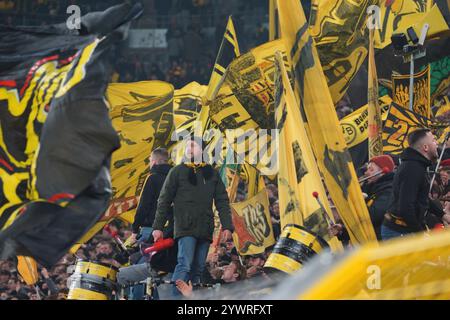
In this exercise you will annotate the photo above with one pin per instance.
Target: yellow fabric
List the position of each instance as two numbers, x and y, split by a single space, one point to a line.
412 267
355 125
49 81
435 20
298 175
253 225
27 268
400 123
323 127
396 18
338 28
421 97
187 102
245 102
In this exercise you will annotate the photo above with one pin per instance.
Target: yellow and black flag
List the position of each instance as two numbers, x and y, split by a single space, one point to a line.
246 102
400 123
57 80
228 51
355 128
421 95
396 16
298 175
324 132
339 30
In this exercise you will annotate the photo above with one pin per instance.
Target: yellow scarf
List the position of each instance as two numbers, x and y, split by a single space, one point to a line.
196 166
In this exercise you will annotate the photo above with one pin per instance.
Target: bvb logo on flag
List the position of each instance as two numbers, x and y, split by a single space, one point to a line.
253 230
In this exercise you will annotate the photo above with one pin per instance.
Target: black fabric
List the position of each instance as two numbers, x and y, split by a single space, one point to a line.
379 196
146 210
72 161
46 231
410 192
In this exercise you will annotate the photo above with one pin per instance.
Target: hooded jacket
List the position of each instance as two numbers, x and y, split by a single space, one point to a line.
146 210
410 192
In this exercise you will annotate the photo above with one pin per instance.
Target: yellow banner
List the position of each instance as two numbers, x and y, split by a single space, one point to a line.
323 127
253 226
421 96
355 125
298 175
339 30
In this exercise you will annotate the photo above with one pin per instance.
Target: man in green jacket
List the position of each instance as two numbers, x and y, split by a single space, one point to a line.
191 188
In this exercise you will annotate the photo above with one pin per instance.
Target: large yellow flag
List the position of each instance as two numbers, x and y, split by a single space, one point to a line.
324 131
298 175
245 103
229 49
375 123
338 28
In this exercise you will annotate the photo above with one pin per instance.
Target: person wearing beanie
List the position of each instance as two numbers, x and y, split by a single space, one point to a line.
192 188
378 190
410 193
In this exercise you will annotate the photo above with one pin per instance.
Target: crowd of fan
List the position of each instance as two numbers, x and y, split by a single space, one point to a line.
223 264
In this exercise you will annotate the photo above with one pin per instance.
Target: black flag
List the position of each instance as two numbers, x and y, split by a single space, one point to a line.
56 147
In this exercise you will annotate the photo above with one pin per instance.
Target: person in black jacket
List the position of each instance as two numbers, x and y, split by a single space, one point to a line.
146 210
377 190
410 198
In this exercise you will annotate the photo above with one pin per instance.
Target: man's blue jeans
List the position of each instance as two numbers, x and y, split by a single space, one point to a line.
191 260
387 233
137 292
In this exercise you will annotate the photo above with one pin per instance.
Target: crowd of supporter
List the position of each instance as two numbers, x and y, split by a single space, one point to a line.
190 57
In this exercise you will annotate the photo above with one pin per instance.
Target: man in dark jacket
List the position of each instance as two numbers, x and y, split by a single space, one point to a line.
410 198
146 210
192 187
